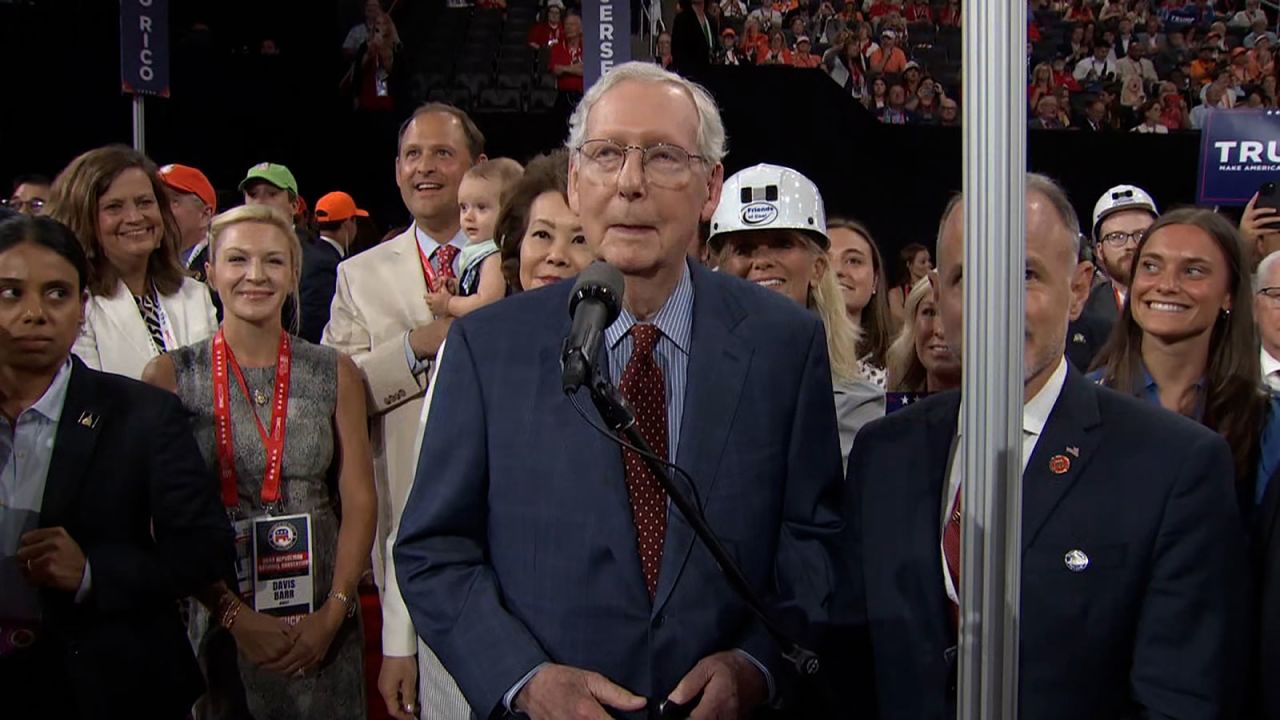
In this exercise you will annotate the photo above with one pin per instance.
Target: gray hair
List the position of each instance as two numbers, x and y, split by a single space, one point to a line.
711 136
1046 186
1265 267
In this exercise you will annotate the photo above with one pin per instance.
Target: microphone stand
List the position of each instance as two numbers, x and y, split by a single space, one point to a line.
618 416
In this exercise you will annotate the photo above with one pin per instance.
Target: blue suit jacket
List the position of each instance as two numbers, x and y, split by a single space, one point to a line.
517 544
1154 627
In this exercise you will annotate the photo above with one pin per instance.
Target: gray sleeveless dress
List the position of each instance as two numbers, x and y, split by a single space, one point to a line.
238 689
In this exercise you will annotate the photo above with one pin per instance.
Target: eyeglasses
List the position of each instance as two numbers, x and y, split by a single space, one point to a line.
35 205
1272 296
1119 239
663 165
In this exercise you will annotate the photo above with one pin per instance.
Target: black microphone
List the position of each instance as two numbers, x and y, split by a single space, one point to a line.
594 303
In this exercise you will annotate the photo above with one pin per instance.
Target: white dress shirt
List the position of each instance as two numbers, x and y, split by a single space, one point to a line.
1035 414
1270 371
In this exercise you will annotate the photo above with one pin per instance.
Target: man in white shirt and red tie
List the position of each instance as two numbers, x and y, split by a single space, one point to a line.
1266 312
380 318
1133 594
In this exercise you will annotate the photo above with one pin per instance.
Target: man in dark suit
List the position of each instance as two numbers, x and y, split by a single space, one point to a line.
1133 588
336 213
542 564
693 36
1095 117
107 514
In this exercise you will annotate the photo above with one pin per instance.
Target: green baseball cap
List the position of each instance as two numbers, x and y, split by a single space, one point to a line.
273 173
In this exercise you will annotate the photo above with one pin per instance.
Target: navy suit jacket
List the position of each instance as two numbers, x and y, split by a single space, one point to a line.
319 281
517 545
127 483
1154 627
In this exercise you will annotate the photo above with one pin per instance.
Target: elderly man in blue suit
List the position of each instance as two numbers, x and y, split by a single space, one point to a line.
1133 592
543 564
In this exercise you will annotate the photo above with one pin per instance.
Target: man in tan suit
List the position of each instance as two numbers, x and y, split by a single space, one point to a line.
380 318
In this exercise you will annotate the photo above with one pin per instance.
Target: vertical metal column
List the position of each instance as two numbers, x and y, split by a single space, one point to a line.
995 130
139 123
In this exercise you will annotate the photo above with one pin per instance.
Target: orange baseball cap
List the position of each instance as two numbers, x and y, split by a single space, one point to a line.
184 178
336 207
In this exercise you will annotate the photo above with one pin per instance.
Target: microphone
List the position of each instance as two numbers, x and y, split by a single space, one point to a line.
594 303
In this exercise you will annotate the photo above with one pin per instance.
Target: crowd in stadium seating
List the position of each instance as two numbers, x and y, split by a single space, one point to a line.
1095 65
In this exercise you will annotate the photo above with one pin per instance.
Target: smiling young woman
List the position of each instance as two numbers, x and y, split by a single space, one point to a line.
1185 339
141 303
271 462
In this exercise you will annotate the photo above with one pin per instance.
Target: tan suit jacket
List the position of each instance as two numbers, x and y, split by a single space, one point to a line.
115 338
379 298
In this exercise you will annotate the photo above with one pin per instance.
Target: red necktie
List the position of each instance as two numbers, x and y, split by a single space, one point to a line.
646 391
951 550
444 259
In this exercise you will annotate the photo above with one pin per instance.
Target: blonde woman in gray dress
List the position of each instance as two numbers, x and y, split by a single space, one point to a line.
272 414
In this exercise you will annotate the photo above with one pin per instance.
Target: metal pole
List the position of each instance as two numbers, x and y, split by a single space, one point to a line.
995 130
139 124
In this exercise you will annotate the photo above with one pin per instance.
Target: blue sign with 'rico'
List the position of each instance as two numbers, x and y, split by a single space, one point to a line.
144 47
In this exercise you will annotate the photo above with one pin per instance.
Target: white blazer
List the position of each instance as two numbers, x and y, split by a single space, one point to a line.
378 299
115 338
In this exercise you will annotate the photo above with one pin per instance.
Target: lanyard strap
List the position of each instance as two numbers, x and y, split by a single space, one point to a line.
428 272
272 442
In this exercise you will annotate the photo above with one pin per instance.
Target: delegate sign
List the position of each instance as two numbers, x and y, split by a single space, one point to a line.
1239 151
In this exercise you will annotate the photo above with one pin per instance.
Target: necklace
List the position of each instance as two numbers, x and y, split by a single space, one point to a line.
260 396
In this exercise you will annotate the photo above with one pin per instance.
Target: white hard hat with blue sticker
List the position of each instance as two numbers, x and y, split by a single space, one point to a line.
769 197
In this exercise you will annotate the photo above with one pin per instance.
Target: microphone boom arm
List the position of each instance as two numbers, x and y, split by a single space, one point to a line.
621 421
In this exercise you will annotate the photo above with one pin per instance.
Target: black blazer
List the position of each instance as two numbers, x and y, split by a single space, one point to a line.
1085 338
319 280
1102 303
1156 624
690 51
128 484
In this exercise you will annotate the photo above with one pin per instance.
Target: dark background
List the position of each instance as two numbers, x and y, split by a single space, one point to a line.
231 108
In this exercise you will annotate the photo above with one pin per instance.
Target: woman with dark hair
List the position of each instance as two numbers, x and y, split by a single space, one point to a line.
540 237
1185 340
141 303
860 273
916 262
848 67
1151 113
108 519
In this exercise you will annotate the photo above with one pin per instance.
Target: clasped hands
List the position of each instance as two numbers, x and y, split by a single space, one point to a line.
731 686
274 644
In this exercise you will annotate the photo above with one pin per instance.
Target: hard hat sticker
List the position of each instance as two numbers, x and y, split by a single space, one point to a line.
761 213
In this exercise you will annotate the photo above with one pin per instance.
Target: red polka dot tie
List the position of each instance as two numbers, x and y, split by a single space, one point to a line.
444 259
646 391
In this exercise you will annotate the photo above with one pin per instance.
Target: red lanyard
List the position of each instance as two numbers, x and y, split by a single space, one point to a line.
273 442
428 272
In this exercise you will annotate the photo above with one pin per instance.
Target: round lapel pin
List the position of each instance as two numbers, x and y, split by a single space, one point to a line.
1076 561
1059 464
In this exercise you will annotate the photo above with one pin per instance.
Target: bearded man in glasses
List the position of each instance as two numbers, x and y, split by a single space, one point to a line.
1120 217
532 548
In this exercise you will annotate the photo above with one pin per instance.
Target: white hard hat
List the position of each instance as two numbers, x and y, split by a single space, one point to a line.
1121 197
769 197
